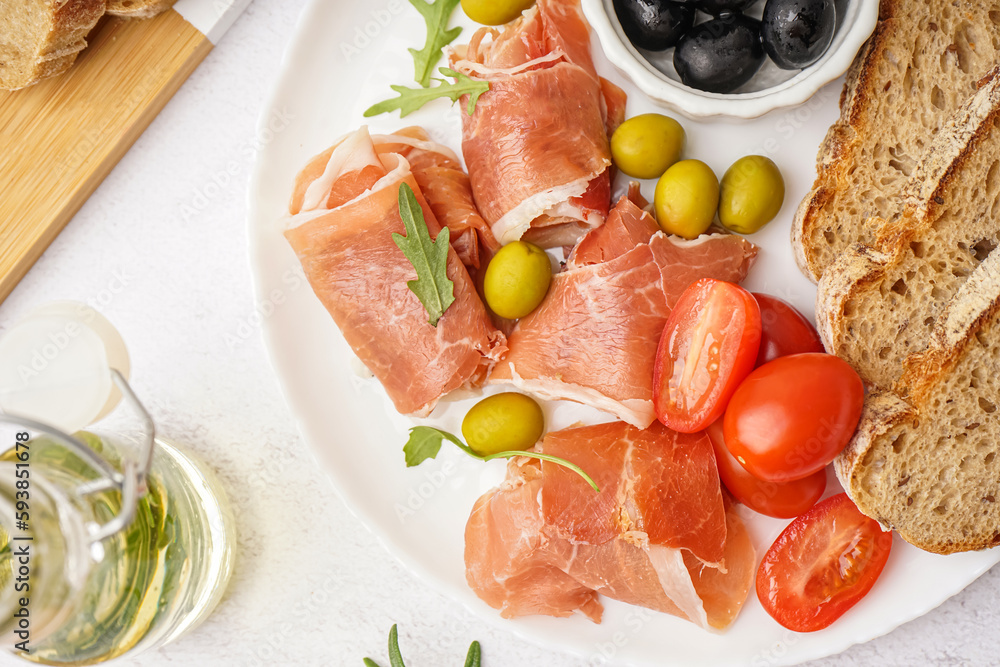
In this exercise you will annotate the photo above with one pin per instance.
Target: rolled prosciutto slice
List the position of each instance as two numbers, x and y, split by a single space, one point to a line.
448 191
658 535
537 145
343 213
593 339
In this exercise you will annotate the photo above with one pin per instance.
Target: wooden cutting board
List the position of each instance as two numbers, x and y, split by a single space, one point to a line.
60 138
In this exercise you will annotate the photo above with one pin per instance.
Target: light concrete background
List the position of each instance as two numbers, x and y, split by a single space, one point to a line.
161 250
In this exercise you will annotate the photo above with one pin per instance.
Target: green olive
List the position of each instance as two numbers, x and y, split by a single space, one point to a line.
752 193
686 198
517 279
494 12
507 422
645 146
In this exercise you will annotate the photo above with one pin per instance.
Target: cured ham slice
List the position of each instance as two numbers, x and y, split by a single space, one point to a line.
444 184
343 213
627 226
658 534
537 145
506 557
641 491
593 339
448 191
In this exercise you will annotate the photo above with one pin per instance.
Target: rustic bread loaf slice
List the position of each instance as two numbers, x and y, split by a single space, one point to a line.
921 63
138 9
40 38
927 466
877 305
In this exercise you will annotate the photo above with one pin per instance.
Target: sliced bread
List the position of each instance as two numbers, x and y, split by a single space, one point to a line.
878 304
138 9
41 38
921 63
926 465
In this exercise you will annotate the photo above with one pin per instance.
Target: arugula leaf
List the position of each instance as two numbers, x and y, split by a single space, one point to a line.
429 258
411 99
425 443
395 657
475 657
436 16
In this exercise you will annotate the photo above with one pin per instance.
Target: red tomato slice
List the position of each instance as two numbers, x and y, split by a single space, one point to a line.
793 415
823 563
781 500
708 346
784 330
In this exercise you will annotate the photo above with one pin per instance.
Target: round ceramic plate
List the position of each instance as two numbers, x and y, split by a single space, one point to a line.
770 88
343 58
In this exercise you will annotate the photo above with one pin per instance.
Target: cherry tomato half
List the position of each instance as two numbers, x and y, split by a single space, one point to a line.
709 344
784 330
823 563
793 415
781 500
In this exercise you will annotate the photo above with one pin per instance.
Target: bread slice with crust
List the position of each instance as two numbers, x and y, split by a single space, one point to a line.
878 304
41 38
924 459
921 63
138 9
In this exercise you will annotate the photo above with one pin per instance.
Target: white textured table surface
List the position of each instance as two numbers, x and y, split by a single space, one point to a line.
161 250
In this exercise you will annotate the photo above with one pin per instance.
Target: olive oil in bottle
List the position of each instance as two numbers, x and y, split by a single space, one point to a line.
145 585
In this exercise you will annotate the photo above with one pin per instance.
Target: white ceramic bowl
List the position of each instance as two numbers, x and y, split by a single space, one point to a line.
771 88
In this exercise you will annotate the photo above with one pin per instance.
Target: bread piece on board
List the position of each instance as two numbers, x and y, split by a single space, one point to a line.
921 63
927 466
138 9
41 38
876 305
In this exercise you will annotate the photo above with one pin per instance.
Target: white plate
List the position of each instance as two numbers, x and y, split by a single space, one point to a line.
343 58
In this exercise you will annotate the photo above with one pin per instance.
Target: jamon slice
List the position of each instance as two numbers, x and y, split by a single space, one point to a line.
682 585
443 183
593 339
447 189
640 488
537 146
626 227
506 561
542 543
344 211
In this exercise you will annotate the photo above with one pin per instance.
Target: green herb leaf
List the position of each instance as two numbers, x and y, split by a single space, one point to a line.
411 99
436 16
425 443
429 258
370 663
475 657
395 657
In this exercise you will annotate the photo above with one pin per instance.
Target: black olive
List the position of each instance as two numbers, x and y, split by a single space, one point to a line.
797 32
720 55
720 7
654 25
